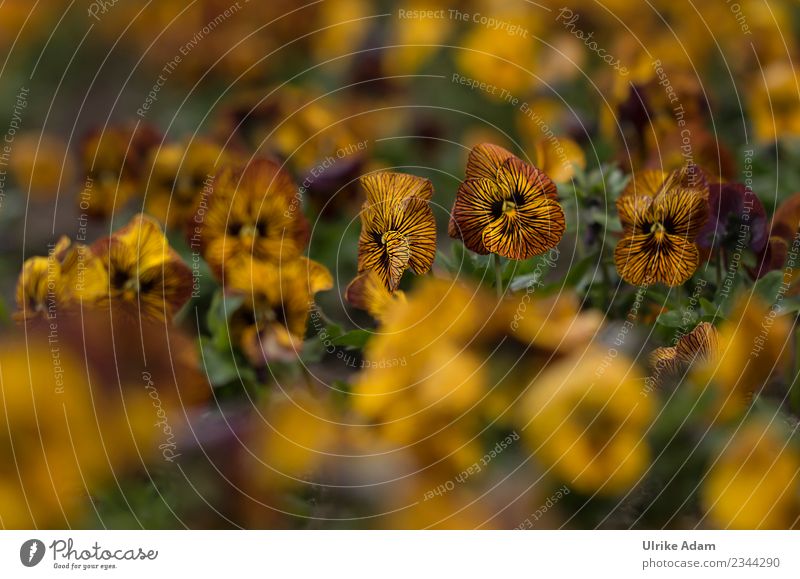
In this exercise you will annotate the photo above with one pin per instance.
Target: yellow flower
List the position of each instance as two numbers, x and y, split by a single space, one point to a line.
300 126
177 177
661 215
753 484
41 482
506 206
144 273
559 158
62 435
426 373
113 160
271 323
68 276
413 41
775 104
341 30
553 323
503 61
700 345
436 372
367 292
587 422
292 436
41 164
398 230
752 345
251 212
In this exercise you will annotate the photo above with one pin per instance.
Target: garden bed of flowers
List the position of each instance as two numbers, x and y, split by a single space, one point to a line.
409 264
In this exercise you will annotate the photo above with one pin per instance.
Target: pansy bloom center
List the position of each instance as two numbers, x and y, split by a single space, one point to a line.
510 205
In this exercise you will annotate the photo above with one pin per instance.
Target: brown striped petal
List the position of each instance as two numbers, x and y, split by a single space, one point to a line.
389 187
682 211
474 211
664 361
633 212
534 228
518 178
700 344
485 161
644 259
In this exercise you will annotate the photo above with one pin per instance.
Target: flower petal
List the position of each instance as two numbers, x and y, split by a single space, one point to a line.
518 178
642 259
319 277
386 187
664 361
534 228
646 183
416 222
398 254
473 212
367 292
485 160
633 212
682 211
387 256
699 344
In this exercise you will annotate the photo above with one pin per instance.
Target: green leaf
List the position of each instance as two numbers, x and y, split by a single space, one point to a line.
220 366
789 305
767 287
672 319
709 309
446 261
355 339
218 318
313 351
525 281
576 273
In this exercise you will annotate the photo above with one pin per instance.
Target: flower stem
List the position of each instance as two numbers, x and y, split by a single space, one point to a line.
498 275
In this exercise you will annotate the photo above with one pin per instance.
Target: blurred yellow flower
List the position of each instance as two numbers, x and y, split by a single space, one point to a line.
506 62
63 436
413 41
251 212
343 28
177 177
752 345
426 373
113 160
753 483
70 275
775 102
145 275
278 297
559 158
587 420
41 164
553 323
367 292
290 439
